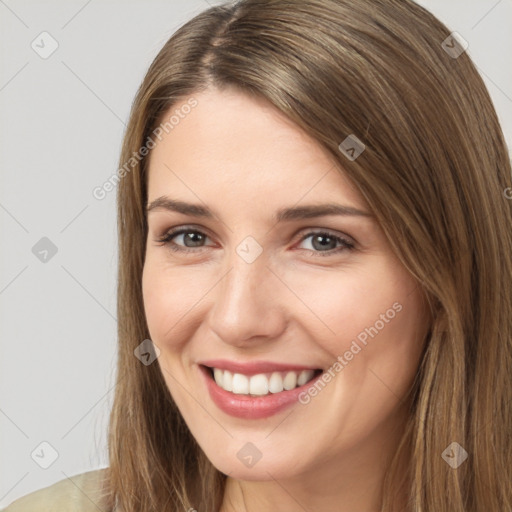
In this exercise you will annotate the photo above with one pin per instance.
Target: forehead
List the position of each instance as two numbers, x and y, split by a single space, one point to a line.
235 148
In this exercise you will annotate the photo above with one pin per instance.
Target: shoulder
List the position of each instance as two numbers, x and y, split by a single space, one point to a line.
78 493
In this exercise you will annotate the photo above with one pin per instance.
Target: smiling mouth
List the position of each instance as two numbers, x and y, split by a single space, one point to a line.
261 384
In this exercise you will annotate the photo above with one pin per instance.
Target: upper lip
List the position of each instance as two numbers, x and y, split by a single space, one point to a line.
254 367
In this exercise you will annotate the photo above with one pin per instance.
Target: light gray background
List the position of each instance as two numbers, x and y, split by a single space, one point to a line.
61 126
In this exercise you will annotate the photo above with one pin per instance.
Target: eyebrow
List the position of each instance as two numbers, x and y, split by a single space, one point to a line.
284 214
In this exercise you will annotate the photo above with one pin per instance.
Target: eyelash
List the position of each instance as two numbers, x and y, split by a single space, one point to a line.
166 239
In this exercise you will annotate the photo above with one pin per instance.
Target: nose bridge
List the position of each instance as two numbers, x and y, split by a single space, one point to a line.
246 301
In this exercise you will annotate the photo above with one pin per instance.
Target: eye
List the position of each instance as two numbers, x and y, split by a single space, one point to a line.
191 238
324 243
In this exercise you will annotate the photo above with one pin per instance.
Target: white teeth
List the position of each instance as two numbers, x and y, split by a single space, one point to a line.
304 376
275 384
227 383
290 381
240 384
258 385
218 375
261 384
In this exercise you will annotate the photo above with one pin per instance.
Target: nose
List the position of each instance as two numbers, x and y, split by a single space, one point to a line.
249 304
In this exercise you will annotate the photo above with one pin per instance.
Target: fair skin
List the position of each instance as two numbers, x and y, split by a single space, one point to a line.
244 160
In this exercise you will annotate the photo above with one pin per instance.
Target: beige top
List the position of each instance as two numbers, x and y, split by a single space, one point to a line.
79 493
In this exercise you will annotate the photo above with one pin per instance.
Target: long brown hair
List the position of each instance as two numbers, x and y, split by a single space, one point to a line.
434 171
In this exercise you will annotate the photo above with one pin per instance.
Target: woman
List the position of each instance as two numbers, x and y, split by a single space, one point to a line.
314 270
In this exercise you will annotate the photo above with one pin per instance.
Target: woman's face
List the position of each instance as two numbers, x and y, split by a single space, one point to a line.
272 294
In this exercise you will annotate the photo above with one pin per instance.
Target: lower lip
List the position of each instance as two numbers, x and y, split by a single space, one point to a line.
252 407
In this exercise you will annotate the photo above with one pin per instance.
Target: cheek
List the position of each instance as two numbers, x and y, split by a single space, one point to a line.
355 309
167 296
174 300
346 301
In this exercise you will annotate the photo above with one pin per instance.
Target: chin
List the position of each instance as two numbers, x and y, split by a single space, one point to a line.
235 462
